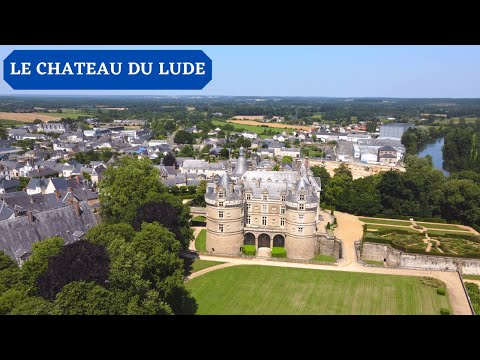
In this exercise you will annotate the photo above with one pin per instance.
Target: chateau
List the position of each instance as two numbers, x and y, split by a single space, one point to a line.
266 209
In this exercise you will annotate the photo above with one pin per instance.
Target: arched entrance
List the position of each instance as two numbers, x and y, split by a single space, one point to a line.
249 239
278 241
264 240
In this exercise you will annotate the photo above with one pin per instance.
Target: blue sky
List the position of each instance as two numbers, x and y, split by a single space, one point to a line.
336 71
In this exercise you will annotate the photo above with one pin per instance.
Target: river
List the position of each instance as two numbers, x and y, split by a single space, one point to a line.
435 151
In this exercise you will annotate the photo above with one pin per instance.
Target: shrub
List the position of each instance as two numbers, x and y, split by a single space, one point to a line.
365 228
332 211
441 291
279 252
328 226
444 311
249 250
334 221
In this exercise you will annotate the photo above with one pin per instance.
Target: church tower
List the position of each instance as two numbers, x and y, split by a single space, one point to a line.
225 214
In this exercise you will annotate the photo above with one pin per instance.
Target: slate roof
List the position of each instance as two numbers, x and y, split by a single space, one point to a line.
387 148
387 156
9 184
17 235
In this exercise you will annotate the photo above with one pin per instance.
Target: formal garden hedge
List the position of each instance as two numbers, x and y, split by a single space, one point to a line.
250 250
403 217
474 295
279 252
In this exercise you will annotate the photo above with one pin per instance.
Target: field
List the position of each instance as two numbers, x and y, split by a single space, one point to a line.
471 277
256 129
324 258
272 125
385 221
44 116
259 290
201 241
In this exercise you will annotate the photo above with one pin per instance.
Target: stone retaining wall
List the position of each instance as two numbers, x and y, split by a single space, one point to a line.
397 258
329 246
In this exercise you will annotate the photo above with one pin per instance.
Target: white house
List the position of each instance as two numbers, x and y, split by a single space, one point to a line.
249 135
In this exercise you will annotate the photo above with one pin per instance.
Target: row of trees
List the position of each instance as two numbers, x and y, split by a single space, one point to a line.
130 264
421 191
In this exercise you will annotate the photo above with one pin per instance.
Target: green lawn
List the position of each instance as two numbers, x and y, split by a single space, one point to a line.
201 241
373 262
253 289
203 264
380 227
324 258
471 277
199 218
440 226
385 221
253 128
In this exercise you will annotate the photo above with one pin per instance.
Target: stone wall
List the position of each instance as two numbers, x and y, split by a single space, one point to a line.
328 246
397 258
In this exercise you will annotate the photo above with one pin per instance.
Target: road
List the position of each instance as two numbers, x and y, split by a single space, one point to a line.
350 230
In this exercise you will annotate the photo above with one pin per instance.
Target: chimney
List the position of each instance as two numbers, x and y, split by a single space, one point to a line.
76 207
57 194
77 179
30 216
69 189
258 182
32 200
306 162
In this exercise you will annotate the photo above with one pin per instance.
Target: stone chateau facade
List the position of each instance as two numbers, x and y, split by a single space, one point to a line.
265 209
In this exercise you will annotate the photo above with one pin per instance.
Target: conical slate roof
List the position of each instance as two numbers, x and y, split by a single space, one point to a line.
242 166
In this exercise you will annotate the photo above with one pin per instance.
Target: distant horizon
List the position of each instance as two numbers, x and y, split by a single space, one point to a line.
239 96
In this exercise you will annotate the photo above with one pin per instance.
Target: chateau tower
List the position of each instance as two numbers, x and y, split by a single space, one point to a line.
301 216
225 216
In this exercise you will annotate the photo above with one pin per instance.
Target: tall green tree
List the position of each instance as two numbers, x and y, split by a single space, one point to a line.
322 173
124 188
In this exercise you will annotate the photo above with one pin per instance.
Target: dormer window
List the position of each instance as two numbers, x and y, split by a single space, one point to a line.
249 196
302 197
283 197
220 203
221 195
265 197
301 206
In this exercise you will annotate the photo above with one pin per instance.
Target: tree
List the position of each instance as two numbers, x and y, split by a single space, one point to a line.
183 137
37 263
243 141
461 201
336 186
169 212
187 151
79 261
287 160
3 133
105 234
85 298
125 187
224 153
169 160
343 169
323 174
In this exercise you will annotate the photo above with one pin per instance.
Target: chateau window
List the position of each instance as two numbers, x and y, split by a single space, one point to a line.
249 220
249 207
220 203
249 196
301 206
220 227
220 214
221 195
264 208
265 197
302 197
300 230
283 197
300 217
282 221
282 210
264 220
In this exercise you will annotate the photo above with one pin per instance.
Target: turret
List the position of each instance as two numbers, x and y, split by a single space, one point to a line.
225 213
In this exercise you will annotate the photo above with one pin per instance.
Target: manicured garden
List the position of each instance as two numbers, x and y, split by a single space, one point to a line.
474 295
440 226
201 241
324 258
252 289
385 221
